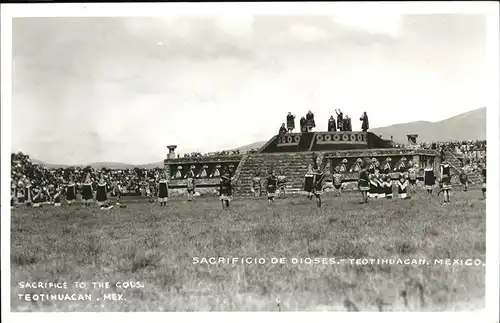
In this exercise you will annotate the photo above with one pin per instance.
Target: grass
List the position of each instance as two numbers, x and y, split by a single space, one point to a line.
155 246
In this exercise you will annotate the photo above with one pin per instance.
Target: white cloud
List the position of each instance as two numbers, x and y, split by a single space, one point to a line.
239 26
308 33
377 24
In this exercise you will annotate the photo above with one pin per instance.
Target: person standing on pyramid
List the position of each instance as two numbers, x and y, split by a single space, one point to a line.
310 121
290 122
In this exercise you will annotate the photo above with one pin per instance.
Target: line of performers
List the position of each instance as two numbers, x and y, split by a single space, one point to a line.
374 182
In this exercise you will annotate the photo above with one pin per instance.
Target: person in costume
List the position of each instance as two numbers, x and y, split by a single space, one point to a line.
364 181
387 185
464 177
190 186
12 196
290 122
282 130
303 124
374 184
445 180
216 172
343 166
309 182
178 173
371 166
203 173
386 166
429 177
226 190
338 178
381 192
256 184
483 187
365 124
319 177
102 194
332 127
310 121
70 191
357 166
401 167
271 186
163 190
340 119
58 190
281 182
28 192
403 187
37 197
412 174
87 191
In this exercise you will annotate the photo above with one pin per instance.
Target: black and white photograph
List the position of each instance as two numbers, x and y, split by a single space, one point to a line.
250 161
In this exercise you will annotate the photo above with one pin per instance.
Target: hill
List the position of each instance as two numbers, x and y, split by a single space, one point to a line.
256 145
109 165
466 126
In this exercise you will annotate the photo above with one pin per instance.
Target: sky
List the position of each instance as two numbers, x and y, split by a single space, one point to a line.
122 89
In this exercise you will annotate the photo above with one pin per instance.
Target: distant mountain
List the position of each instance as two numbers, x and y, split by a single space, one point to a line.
466 126
109 165
256 145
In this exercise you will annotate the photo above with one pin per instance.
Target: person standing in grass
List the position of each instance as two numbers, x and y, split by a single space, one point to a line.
271 185
163 190
429 177
70 191
225 190
338 178
403 185
57 196
363 180
319 177
483 187
445 173
281 182
256 184
101 192
87 192
387 186
191 186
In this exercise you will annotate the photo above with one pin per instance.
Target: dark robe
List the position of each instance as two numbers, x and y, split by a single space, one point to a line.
87 191
226 187
310 120
331 125
290 122
340 121
271 184
282 130
303 124
71 192
102 194
364 125
163 189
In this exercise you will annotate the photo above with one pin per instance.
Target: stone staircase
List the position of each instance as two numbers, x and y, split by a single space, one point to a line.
294 164
456 164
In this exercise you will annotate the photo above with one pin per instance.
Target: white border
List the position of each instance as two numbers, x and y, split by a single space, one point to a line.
490 9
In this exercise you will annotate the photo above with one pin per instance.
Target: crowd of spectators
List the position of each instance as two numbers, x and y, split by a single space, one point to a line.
25 173
210 154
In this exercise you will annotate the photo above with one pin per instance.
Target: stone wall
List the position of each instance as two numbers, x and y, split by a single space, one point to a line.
294 164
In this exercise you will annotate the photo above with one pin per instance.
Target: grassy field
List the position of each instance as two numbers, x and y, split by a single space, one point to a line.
155 246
